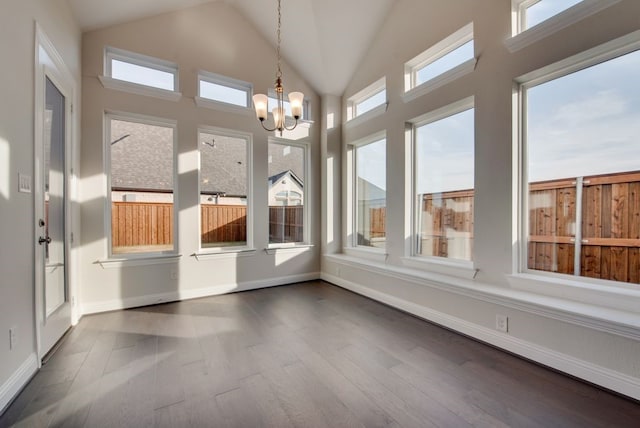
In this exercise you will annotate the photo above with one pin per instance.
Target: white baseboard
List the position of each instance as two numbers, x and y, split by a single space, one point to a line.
178 295
607 378
17 381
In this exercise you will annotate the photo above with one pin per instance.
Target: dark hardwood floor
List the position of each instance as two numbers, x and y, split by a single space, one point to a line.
305 355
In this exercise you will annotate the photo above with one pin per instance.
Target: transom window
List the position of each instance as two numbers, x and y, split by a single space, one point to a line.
444 183
367 100
447 59
582 171
224 89
141 69
533 12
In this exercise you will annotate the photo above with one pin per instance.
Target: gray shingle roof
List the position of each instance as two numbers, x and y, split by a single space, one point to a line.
142 159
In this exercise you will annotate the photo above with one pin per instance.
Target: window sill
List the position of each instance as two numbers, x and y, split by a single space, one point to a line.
288 248
441 80
579 290
374 254
460 269
222 106
556 23
139 261
134 88
375 112
223 253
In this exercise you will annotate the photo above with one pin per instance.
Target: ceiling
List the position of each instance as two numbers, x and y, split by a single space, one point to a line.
324 40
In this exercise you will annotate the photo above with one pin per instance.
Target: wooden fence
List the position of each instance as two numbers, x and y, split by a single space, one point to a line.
610 233
143 224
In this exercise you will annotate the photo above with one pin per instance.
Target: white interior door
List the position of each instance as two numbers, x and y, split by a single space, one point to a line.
52 208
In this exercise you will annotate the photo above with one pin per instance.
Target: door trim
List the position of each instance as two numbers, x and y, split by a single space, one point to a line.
49 64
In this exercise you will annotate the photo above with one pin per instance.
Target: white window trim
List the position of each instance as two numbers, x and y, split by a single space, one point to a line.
352 247
304 144
152 257
522 38
249 246
353 118
109 82
597 292
460 268
218 79
434 53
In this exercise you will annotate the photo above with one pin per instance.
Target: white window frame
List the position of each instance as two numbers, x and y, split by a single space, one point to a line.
218 79
441 49
352 248
521 37
353 118
111 53
306 228
598 292
249 246
454 267
151 257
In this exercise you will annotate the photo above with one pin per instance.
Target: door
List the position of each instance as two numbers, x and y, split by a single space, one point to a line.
51 202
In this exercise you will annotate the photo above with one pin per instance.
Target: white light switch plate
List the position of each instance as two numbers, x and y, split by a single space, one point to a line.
24 183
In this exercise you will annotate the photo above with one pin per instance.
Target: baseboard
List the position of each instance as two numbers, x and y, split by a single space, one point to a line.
178 295
581 369
17 381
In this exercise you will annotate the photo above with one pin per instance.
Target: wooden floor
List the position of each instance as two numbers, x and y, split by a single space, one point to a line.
306 355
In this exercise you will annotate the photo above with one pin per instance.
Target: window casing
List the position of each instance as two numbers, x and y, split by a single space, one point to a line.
215 88
287 193
140 203
580 167
370 101
443 183
368 190
442 63
139 73
225 197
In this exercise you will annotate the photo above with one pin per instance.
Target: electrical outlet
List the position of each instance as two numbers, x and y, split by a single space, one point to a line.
24 183
12 337
502 323
174 274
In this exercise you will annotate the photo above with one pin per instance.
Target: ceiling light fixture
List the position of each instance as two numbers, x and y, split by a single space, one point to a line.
261 101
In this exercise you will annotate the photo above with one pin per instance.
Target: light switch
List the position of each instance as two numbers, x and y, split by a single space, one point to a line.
24 183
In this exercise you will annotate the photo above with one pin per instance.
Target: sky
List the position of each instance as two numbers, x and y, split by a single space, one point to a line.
545 9
371 163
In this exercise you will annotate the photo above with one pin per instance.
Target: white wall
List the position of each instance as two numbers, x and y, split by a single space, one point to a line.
575 338
16 156
216 38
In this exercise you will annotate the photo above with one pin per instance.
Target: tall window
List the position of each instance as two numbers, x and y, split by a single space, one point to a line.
444 184
583 172
287 193
370 193
141 177
224 185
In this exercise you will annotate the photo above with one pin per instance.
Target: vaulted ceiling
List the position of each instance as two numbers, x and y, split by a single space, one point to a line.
324 40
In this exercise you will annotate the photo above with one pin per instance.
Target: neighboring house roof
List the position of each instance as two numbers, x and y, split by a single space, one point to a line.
143 160
369 191
277 177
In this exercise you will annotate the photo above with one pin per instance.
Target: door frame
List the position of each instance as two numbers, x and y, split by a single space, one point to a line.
49 64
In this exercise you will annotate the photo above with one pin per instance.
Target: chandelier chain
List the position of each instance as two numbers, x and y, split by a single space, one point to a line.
279 72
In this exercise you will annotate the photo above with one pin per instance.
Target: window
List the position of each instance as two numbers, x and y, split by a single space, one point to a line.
225 200
533 20
444 183
222 89
273 103
370 194
141 184
447 60
581 169
286 190
141 74
371 99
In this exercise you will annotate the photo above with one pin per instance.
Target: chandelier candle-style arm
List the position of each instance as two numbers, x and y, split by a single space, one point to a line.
296 99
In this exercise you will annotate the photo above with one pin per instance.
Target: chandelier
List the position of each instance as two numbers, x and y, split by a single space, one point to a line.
261 101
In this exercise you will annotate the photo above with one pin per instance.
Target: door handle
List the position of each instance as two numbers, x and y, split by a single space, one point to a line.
42 240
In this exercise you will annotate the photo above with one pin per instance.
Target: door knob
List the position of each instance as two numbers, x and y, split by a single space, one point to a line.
43 240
